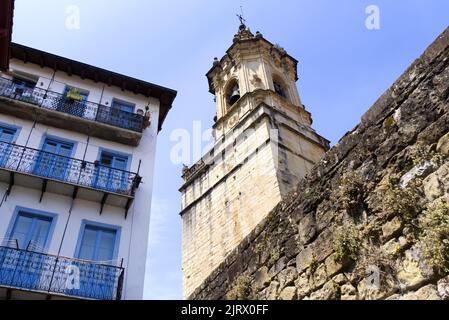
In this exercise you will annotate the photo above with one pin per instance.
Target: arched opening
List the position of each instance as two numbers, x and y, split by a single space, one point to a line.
279 87
232 92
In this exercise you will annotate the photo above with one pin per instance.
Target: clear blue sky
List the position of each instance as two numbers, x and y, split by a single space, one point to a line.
344 68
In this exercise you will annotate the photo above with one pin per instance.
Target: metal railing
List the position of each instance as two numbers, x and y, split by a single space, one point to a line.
83 109
49 274
52 166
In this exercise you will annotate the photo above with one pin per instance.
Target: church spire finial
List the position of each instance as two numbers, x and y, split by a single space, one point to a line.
244 32
241 17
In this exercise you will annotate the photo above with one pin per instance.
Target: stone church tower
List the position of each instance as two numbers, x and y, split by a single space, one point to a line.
264 144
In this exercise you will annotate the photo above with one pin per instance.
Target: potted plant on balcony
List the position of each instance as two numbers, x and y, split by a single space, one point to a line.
147 120
73 95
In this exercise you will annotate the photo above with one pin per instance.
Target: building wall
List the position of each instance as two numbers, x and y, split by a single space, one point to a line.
134 229
225 202
268 146
224 211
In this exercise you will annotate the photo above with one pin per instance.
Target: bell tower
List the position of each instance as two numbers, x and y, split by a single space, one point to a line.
264 145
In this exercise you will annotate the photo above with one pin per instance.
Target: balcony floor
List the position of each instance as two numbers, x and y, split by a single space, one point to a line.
17 294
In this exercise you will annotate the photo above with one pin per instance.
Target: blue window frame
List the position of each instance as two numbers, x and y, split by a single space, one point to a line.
98 243
7 136
120 114
111 173
33 230
54 160
31 227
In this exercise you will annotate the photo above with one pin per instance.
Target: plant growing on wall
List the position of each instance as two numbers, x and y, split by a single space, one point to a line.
242 289
401 202
351 192
347 244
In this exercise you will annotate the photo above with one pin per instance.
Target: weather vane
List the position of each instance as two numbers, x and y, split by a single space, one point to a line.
241 17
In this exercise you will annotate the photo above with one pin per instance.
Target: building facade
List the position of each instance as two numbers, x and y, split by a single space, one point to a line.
77 150
264 145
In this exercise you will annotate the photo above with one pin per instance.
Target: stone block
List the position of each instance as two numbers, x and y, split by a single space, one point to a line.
261 278
333 267
428 292
348 292
303 286
287 277
443 145
413 271
391 228
443 288
307 229
330 291
288 293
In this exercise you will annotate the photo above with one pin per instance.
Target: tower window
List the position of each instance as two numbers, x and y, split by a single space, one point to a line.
233 93
279 89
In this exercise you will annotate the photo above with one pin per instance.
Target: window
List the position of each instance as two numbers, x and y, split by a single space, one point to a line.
112 172
122 106
233 93
22 87
31 230
24 83
113 160
7 136
54 160
98 243
279 89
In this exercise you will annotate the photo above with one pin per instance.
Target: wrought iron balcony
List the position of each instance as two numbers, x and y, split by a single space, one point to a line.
65 104
68 170
37 272
114 185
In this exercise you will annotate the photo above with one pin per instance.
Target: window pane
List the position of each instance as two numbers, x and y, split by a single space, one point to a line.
50 146
21 229
97 244
120 164
123 106
40 232
6 135
106 246
65 150
106 159
31 228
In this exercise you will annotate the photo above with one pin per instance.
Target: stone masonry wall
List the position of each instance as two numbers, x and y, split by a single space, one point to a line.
371 221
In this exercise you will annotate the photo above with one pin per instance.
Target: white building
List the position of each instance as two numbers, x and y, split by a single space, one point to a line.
77 150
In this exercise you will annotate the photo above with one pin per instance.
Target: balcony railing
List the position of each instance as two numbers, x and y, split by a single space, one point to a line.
48 274
15 158
83 109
